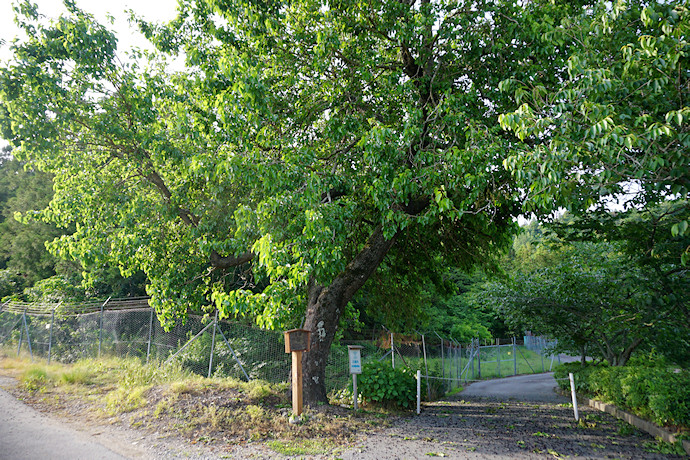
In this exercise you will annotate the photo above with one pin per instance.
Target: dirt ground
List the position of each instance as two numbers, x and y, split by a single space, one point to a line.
470 425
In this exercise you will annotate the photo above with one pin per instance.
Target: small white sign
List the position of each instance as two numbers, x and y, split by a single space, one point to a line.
355 356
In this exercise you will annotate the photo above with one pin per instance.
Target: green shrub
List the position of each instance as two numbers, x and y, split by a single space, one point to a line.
647 388
606 383
669 398
380 383
580 374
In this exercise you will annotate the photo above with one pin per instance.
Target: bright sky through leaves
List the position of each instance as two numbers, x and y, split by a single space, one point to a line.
128 37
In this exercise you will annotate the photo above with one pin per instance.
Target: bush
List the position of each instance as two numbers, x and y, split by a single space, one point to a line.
581 375
656 392
380 383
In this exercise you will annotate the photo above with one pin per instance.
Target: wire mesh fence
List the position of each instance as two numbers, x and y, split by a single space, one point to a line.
211 347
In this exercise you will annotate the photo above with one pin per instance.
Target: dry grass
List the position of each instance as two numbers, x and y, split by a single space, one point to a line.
168 399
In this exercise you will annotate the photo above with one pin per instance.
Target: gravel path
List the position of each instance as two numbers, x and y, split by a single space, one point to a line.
513 418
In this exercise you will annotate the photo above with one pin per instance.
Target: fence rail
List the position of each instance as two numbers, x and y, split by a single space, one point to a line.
212 347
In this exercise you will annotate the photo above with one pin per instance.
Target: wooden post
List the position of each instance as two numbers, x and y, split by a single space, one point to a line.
297 382
296 342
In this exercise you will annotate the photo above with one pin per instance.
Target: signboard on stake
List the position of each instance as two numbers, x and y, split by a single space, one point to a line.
354 352
355 355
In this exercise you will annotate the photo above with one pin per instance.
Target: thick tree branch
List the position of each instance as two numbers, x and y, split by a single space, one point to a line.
218 261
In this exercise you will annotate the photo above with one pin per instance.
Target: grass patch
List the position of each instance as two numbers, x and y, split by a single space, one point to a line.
296 447
35 378
454 391
122 400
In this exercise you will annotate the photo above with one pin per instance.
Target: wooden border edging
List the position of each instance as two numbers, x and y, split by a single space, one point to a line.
636 421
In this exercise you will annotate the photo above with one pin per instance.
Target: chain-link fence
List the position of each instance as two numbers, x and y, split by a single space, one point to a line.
445 363
129 328
211 347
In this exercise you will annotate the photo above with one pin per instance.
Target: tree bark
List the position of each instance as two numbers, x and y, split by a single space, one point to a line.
326 305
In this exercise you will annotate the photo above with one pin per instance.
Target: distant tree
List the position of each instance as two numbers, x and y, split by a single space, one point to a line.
590 300
611 281
29 271
649 243
22 244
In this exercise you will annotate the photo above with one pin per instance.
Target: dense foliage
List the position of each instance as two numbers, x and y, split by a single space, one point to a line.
616 125
604 286
649 388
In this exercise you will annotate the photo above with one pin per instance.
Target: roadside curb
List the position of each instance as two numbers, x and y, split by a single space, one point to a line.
636 421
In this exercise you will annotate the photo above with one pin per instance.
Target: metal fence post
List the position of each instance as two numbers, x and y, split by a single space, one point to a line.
514 357
100 328
541 353
213 344
443 363
237 359
460 360
426 368
479 359
458 357
498 356
148 348
21 332
50 335
472 359
392 352
28 337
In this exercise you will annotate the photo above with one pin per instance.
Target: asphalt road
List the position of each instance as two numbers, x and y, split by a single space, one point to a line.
537 387
26 434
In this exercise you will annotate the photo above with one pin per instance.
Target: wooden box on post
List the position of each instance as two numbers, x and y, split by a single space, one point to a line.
297 341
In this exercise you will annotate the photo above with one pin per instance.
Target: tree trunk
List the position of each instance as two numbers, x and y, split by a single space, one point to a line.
325 307
583 355
625 354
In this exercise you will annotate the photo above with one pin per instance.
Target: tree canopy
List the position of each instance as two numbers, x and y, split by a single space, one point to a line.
616 125
303 146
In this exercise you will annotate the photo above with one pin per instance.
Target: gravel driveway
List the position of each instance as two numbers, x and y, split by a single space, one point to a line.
512 418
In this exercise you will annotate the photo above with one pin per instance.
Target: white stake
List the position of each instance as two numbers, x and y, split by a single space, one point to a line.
419 391
572 392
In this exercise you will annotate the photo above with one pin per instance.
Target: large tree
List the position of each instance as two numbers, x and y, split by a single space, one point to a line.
304 145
